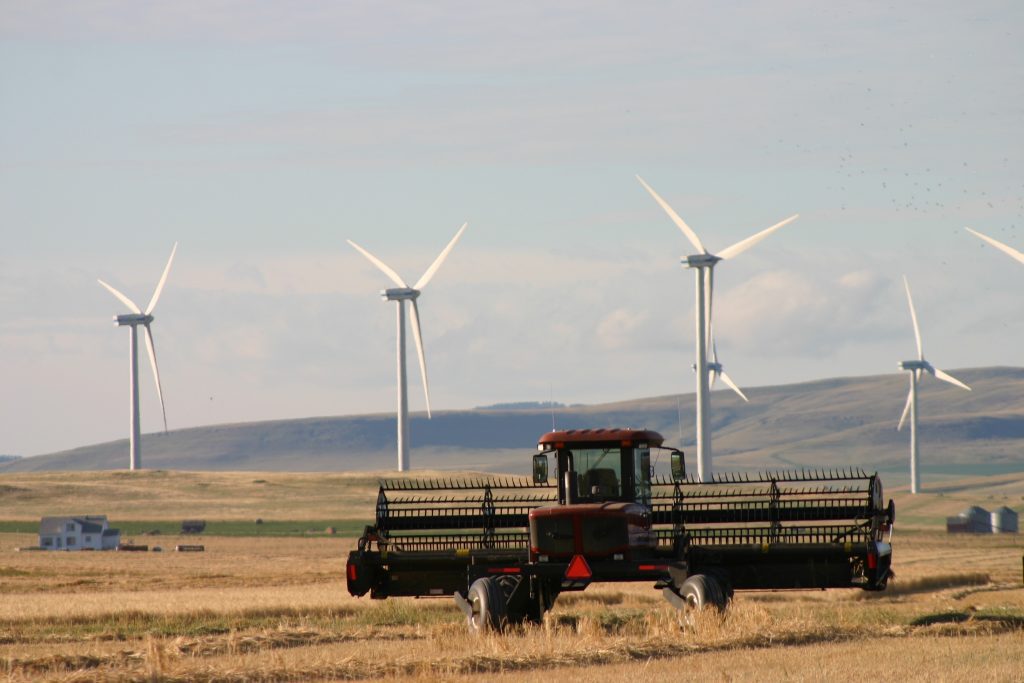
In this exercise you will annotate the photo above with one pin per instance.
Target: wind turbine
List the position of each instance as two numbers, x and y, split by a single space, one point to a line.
133 320
715 370
703 264
998 245
915 368
400 295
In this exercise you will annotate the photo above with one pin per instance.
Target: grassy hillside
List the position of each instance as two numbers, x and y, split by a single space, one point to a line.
829 423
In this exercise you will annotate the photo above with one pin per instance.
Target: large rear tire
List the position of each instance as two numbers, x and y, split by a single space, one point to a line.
487 601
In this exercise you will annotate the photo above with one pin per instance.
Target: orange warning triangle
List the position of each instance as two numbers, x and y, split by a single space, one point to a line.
578 569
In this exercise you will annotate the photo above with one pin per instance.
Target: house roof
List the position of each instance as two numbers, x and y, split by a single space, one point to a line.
90 524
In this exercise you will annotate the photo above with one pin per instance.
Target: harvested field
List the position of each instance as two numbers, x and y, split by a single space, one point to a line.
275 609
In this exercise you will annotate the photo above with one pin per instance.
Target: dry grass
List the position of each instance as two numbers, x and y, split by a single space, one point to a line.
270 609
278 612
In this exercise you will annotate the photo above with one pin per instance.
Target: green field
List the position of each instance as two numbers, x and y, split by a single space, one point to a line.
154 502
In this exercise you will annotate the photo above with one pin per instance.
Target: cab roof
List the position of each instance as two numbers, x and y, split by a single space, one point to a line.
592 437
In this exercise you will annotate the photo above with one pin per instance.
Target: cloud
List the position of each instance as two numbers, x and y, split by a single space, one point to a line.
808 312
620 328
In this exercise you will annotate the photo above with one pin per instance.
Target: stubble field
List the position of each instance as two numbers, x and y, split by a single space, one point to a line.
276 609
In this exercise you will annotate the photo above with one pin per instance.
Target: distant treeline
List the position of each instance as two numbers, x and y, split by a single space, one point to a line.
8 458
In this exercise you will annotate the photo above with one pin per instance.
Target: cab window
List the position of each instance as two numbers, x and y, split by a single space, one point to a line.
599 473
642 474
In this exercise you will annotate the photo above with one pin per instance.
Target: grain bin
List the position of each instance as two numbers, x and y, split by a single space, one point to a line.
1004 521
977 520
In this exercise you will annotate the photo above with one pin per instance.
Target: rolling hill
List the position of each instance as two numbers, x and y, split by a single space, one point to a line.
828 423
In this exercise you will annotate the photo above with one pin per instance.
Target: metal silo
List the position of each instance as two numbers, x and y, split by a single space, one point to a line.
978 520
1004 521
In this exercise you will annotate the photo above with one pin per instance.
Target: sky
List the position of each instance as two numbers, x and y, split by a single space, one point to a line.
261 135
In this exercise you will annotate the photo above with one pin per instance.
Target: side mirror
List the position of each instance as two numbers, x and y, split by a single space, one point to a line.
678 466
540 468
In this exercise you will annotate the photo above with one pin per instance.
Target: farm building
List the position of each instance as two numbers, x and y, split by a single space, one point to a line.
973 520
88 532
1004 521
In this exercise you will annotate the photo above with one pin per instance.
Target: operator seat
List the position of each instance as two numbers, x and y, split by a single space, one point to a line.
601 483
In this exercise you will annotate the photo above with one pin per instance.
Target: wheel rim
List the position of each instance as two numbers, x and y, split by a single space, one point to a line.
476 618
688 614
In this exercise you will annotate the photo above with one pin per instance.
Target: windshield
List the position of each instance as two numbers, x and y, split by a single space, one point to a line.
598 472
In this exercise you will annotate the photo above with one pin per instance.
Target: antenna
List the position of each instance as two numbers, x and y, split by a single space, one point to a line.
551 404
679 412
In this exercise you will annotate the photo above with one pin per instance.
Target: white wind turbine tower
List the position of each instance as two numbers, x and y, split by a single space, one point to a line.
915 368
703 264
400 295
1013 253
133 320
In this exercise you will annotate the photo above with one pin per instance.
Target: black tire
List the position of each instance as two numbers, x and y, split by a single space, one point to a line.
488 606
700 592
507 585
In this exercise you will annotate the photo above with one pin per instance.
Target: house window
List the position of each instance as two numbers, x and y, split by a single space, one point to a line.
71 540
88 539
70 526
47 542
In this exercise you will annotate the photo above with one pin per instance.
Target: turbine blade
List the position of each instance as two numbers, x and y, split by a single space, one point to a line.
156 373
690 234
384 268
743 245
122 298
712 378
906 411
913 317
419 351
946 377
732 385
422 282
1013 253
163 280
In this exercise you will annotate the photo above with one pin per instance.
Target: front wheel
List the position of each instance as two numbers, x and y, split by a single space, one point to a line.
697 593
487 606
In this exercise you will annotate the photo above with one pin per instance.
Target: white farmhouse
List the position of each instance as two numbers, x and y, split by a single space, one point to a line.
88 532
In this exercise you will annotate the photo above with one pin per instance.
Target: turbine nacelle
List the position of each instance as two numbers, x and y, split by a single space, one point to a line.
132 319
399 294
917 365
700 260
